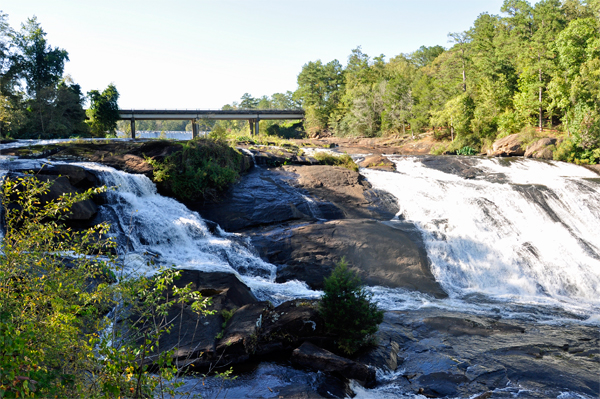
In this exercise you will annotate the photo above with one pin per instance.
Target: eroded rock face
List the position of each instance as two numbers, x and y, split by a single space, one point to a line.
541 149
346 189
382 253
508 146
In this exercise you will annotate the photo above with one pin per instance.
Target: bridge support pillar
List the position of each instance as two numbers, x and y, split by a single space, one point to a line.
132 128
251 124
256 124
194 129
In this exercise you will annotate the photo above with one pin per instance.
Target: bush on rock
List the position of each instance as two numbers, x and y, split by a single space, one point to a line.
348 310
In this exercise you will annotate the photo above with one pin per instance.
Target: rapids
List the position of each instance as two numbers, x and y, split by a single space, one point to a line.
521 238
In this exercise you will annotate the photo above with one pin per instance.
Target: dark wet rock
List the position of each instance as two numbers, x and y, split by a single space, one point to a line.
293 321
261 197
380 254
460 166
453 354
82 210
78 177
240 336
267 197
440 384
542 148
311 356
508 146
195 336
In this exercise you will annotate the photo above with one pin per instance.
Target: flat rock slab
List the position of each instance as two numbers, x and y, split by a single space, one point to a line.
346 189
380 252
454 354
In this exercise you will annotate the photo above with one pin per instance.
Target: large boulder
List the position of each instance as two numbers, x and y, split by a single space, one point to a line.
542 148
80 211
390 254
377 162
508 146
267 197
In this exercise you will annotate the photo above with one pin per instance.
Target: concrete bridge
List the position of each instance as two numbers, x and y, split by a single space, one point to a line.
253 116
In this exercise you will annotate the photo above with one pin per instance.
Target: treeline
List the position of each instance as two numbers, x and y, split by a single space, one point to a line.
36 99
532 66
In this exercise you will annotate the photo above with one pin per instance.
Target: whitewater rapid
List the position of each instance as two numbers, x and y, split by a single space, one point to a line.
521 237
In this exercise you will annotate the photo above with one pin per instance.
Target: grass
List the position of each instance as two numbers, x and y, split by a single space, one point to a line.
343 160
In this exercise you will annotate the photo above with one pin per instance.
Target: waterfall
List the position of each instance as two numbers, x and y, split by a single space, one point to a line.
523 232
153 231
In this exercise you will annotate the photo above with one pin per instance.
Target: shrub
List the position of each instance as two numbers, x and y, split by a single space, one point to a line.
202 169
466 150
347 309
55 341
344 160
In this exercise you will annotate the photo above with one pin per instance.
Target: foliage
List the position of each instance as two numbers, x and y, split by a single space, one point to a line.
36 99
200 170
104 111
343 160
348 310
56 288
466 150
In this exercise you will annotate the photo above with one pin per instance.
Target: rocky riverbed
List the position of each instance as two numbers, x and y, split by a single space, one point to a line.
303 218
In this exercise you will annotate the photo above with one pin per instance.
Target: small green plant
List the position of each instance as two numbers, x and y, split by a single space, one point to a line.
343 160
348 310
466 150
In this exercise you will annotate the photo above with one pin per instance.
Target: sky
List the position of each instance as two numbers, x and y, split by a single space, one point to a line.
201 54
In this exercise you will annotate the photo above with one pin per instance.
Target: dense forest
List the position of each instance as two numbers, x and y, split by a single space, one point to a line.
36 99
532 66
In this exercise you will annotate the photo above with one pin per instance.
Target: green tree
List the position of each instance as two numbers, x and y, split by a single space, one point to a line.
348 310
248 102
103 113
425 55
320 87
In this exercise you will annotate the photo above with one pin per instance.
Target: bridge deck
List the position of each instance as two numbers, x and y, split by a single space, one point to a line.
249 114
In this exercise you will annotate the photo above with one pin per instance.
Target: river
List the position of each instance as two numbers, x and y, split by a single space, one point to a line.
518 240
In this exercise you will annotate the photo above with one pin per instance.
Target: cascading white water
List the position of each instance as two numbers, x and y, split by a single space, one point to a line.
525 233
148 223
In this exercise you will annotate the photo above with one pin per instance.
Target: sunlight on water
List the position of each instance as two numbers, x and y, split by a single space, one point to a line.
524 233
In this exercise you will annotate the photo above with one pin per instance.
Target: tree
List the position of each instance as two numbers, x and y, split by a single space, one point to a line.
461 39
248 102
425 55
104 111
320 87
348 310
41 65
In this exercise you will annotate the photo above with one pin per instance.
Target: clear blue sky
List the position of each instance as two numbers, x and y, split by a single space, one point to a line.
187 54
